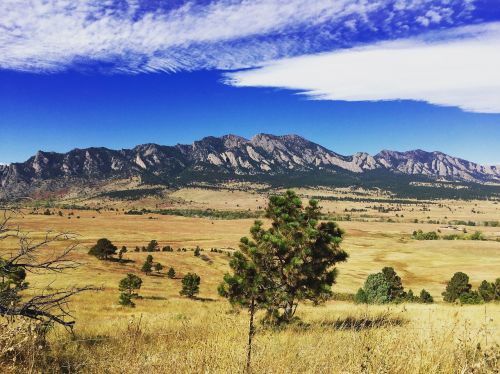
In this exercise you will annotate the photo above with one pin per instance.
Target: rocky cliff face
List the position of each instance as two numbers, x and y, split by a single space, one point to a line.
229 155
437 165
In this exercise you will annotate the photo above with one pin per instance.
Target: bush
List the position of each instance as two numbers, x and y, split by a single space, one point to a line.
420 235
471 297
360 297
487 291
425 297
478 235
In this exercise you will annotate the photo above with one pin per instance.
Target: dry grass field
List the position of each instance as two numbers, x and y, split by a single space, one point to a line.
167 333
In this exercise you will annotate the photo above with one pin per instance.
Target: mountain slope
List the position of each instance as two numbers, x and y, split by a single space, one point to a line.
226 157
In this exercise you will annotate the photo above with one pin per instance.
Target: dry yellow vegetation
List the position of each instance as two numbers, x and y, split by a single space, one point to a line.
167 333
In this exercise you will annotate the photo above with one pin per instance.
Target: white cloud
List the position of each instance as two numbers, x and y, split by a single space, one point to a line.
52 35
46 35
454 68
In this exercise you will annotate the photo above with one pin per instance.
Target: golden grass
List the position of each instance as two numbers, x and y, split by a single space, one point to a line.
169 333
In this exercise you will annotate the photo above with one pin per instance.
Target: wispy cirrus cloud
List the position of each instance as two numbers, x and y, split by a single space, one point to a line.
458 67
135 36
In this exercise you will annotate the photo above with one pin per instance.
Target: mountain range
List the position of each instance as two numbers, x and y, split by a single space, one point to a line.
264 157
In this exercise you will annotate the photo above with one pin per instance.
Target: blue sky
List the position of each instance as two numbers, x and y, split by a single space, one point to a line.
351 75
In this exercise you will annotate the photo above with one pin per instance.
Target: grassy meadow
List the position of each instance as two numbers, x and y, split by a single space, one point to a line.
167 333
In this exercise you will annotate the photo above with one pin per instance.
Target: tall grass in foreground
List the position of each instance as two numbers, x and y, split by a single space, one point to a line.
193 337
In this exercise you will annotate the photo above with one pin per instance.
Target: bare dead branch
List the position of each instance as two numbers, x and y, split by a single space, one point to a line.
34 256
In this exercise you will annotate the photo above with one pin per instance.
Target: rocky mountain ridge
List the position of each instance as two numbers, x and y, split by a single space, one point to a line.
227 156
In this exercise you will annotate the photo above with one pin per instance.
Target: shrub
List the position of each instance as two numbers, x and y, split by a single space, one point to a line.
487 291
197 251
471 297
420 235
190 285
360 297
477 235
425 297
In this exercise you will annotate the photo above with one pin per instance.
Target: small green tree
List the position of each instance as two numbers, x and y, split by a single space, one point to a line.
190 285
197 251
425 297
497 289
122 251
171 273
158 267
128 286
152 246
487 291
410 297
149 258
147 267
103 249
291 261
296 255
458 285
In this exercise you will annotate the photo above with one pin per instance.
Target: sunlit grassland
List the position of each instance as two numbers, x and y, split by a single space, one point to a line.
169 333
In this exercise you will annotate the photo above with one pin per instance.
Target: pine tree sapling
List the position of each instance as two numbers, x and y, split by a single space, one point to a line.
147 267
122 251
149 259
158 267
128 286
190 285
171 273
295 257
197 251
